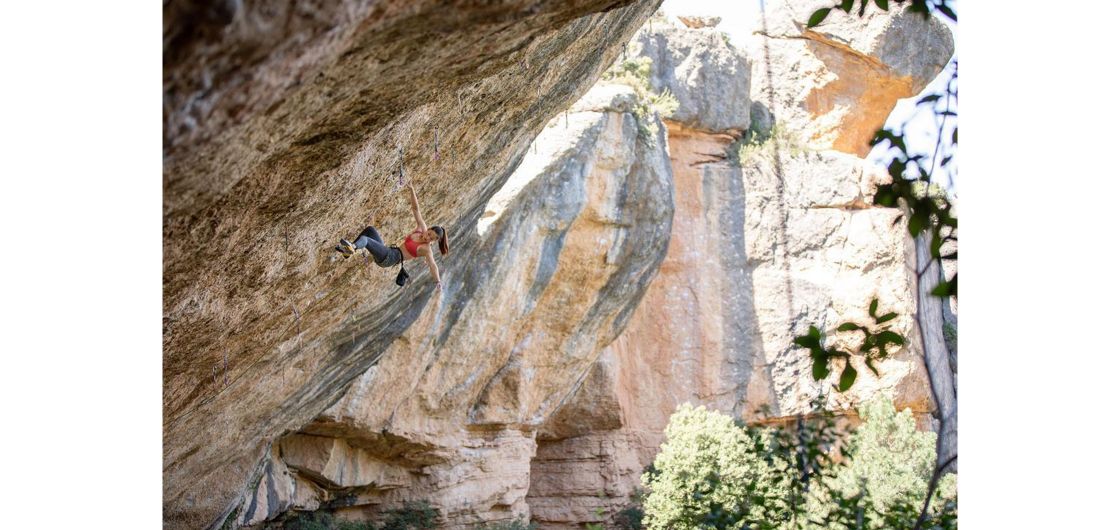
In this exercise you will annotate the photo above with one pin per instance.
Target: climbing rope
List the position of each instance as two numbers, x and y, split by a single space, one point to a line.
400 170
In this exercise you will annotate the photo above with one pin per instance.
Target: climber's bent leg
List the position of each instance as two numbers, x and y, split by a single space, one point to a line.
371 233
372 242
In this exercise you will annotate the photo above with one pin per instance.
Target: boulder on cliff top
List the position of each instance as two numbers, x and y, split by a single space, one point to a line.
709 77
836 84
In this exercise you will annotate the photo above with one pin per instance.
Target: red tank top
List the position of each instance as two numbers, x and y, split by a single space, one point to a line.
411 245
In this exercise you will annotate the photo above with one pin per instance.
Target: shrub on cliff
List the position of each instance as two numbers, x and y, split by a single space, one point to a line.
713 473
508 525
412 516
635 73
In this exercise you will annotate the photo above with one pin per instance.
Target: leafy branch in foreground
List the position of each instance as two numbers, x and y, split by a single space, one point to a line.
912 188
877 338
911 180
926 209
922 7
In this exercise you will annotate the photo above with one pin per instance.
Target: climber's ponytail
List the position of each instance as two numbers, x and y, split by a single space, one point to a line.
443 248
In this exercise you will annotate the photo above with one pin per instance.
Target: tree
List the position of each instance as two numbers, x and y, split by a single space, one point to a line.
713 473
932 222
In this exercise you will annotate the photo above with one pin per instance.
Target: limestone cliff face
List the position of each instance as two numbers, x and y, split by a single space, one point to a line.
285 128
605 267
709 77
760 249
561 255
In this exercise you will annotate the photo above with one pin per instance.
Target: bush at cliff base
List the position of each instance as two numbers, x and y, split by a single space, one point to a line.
714 473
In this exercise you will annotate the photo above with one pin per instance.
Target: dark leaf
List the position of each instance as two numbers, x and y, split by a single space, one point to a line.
806 341
899 142
929 98
896 167
862 7
874 307
919 6
946 160
947 11
885 196
886 318
871 364
846 5
847 377
882 4
954 136
917 224
897 219
818 16
814 332
890 337
882 135
945 289
848 326
820 368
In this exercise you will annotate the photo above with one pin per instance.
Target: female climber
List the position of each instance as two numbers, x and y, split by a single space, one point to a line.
415 244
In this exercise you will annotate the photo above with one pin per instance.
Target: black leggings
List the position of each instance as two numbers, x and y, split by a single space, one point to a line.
382 255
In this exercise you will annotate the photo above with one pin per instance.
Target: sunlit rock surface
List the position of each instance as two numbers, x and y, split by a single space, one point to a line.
602 271
835 84
559 257
708 76
285 127
761 248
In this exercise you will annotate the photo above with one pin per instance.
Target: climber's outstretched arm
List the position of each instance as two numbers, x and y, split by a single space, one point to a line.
420 225
427 252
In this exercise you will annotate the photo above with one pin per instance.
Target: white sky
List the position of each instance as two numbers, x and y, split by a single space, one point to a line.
739 18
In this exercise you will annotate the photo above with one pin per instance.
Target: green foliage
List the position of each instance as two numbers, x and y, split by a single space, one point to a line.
923 7
930 211
412 516
319 520
635 73
227 524
891 462
509 525
630 517
926 209
877 344
760 143
949 331
713 473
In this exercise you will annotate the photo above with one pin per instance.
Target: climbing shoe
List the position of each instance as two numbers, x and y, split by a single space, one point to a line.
346 248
